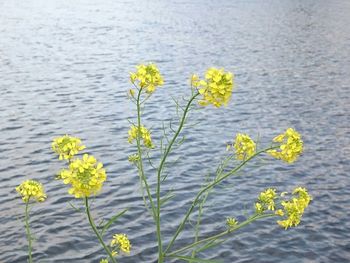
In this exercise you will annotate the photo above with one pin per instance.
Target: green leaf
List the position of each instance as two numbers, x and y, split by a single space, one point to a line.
112 220
166 198
75 208
196 260
211 244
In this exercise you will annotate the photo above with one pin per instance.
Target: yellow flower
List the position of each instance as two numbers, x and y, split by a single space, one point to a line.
85 176
31 189
266 200
216 89
147 77
279 212
291 146
294 208
121 241
104 260
145 135
231 222
259 208
67 146
245 147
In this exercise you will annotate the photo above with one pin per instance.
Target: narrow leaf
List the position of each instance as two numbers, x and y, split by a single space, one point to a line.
75 208
112 220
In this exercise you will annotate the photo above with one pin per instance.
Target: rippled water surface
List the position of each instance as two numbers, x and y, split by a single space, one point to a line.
64 69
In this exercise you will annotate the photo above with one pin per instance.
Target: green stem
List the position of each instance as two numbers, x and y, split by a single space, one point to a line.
209 186
139 151
93 226
161 166
212 238
29 236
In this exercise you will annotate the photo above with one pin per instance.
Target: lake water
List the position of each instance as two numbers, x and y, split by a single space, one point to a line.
64 68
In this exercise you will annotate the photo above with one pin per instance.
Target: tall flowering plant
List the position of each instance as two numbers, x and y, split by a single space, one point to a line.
31 191
85 175
214 89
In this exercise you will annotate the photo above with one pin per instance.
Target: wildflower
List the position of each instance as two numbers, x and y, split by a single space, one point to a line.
104 260
231 222
85 175
245 147
259 208
121 241
194 80
266 200
31 188
145 135
216 88
294 208
279 212
291 146
67 146
147 77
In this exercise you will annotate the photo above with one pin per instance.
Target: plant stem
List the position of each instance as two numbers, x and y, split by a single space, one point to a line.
212 238
93 226
29 236
139 151
161 166
209 186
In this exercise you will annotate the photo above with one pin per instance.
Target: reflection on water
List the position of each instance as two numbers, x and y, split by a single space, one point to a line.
64 69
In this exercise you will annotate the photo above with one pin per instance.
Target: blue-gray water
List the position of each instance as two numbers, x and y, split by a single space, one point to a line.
64 69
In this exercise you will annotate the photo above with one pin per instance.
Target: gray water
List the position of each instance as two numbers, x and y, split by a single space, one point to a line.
64 69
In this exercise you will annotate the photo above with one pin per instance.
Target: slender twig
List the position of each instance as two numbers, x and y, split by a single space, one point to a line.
161 165
140 163
29 236
93 226
217 236
203 190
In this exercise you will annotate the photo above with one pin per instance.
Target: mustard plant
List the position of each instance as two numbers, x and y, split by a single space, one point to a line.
86 177
214 89
30 190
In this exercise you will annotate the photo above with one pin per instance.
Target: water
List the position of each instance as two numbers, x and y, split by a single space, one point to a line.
64 69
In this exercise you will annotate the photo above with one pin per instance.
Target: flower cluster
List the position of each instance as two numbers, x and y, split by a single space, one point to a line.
86 176
231 222
31 189
293 209
145 135
216 88
291 146
147 77
104 260
67 146
122 242
244 146
266 201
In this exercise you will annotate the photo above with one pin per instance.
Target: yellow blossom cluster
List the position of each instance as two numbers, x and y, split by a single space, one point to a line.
216 89
293 209
231 222
122 242
291 146
145 135
147 77
67 146
266 200
244 146
31 189
86 176
104 260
